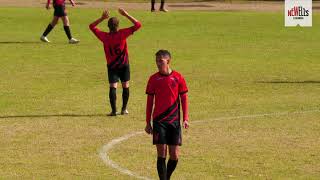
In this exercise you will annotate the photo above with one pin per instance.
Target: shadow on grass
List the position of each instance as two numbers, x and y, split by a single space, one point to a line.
289 82
19 42
54 115
189 5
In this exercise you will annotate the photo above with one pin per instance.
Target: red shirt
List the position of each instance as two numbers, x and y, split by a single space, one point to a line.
166 90
115 45
57 2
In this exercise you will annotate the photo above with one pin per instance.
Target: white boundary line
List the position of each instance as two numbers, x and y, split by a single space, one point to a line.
104 151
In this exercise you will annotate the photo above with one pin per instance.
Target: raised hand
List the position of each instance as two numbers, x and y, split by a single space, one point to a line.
122 12
105 14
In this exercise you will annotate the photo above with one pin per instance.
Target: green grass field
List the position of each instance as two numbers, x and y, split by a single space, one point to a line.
53 97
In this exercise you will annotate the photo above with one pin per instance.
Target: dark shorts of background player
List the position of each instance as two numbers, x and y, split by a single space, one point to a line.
166 133
59 11
122 73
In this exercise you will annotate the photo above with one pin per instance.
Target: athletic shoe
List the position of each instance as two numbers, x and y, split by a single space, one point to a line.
163 10
112 114
44 39
73 41
124 112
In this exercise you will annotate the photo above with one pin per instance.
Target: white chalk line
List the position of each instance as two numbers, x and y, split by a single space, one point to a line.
104 151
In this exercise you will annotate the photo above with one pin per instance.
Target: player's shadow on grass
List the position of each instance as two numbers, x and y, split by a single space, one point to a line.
20 42
289 82
54 115
189 5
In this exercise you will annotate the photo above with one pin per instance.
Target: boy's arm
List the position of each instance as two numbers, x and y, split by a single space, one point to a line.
124 13
94 29
72 2
105 15
185 109
149 107
48 4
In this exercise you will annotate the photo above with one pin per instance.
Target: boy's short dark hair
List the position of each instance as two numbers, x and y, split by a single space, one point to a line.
163 52
113 24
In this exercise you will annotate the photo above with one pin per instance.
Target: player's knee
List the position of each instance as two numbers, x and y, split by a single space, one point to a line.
113 85
174 156
125 84
65 21
174 153
54 23
66 24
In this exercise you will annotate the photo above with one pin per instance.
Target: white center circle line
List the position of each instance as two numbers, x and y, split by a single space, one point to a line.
104 151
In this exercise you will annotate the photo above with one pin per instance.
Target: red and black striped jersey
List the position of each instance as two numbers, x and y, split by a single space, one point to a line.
57 2
166 89
115 45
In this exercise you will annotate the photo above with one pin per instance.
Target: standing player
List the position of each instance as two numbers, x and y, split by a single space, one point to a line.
116 53
59 12
166 89
161 6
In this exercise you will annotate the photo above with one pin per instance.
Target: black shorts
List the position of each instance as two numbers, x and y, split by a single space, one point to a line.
166 133
59 10
115 74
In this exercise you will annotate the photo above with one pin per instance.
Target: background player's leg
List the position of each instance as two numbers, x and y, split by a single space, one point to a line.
66 27
49 28
113 98
161 161
162 6
125 97
152 5
173 160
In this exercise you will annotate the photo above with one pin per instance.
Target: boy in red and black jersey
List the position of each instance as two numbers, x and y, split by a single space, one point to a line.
116 54
59 12
166 89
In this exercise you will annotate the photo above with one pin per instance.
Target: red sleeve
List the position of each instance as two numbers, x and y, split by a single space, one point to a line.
150 87
185 108
129 31
99 34
182 86
149 108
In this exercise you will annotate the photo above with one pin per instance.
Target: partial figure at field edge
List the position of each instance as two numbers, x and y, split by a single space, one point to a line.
162 8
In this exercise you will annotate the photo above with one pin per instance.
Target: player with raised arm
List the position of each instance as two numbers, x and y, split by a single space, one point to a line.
59 12
166 89
116 54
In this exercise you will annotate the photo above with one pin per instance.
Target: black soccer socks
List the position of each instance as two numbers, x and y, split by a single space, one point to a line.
67 31
161 167
162 4
48 30
171 166
152 4
125 98
113 99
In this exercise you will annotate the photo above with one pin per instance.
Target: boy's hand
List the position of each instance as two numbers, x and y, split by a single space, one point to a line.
105 14
123 12
48 6
185 124
148 129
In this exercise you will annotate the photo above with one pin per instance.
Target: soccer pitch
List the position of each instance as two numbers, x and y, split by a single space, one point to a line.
253 92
